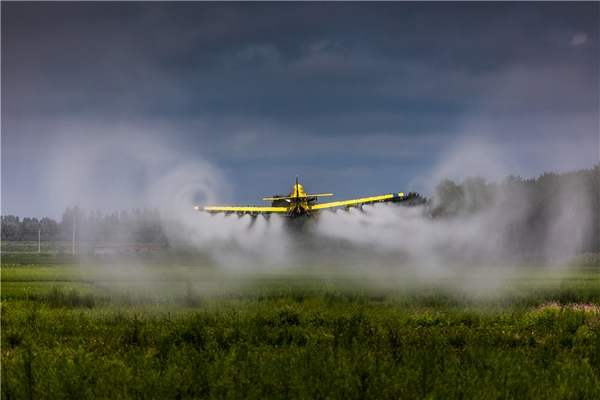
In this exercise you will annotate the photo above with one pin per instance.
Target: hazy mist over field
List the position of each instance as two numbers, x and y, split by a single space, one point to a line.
383 241
388 238
144 169
116 106
122 167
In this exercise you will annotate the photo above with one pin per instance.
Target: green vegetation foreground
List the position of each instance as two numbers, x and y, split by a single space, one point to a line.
69 331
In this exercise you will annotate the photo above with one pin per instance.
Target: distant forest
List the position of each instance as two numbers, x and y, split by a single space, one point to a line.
535 202
534 213
139 226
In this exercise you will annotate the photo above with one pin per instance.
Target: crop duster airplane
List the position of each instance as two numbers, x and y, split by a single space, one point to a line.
299 203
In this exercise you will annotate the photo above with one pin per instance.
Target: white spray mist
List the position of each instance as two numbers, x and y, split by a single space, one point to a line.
125 168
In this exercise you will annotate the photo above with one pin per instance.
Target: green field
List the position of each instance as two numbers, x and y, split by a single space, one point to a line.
167 326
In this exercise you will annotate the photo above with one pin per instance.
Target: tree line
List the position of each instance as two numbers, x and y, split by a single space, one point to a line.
535 212
529 209
146 225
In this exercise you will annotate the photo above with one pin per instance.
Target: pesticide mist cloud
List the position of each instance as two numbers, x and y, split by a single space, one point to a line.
126 166
117 168
242 243
489 237
386 239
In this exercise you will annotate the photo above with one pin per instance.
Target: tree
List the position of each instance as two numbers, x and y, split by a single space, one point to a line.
478 195
447 199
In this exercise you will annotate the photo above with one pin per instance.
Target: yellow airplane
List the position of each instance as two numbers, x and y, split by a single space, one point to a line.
299 203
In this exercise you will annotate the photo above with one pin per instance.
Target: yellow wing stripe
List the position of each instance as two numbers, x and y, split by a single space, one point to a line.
247 209
356 201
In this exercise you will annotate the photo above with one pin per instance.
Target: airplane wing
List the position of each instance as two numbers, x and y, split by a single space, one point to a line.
356 201
245 209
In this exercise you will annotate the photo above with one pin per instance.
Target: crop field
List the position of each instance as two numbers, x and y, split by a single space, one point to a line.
167 326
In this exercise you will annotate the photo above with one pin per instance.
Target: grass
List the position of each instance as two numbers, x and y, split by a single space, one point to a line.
169 329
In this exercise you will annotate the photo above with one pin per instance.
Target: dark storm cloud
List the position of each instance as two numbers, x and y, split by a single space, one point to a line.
219 57
367 87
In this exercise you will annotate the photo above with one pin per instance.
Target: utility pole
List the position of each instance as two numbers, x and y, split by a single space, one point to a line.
73 233
39 240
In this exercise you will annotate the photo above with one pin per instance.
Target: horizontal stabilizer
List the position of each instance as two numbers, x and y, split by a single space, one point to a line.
245 209
295 197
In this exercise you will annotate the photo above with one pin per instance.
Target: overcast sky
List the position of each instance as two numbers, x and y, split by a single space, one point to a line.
111 105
